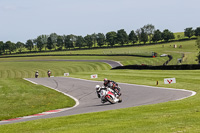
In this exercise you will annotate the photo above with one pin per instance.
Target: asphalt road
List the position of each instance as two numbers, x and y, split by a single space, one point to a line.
109 62
83 91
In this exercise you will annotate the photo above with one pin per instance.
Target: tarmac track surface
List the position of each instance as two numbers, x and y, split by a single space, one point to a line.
109 62
83 91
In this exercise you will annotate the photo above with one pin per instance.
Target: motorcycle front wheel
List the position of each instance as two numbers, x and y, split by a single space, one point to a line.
120 99
110 100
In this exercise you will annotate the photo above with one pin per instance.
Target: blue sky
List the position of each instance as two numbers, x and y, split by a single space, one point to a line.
21 20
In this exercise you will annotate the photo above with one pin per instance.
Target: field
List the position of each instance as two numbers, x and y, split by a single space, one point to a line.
174 116
188 49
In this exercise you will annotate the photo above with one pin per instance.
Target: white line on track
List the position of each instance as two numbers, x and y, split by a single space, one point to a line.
77 102
47 112
30 81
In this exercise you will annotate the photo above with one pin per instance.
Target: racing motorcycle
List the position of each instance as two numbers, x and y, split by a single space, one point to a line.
108 95
115 87
49 74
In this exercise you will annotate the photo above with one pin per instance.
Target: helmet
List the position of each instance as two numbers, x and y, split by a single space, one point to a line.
97 87
105 80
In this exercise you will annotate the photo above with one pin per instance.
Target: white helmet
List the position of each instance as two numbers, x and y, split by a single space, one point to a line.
97 87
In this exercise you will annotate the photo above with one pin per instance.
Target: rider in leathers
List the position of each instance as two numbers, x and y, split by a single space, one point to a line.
113 85
98 90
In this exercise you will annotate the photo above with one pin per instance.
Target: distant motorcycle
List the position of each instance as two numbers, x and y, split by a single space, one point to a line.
49 74
36 74
108 95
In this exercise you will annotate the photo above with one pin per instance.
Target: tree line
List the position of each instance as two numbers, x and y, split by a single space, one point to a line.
147 33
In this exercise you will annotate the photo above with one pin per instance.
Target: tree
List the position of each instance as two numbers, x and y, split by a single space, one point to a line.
189 32
122 37
94 38
89 40
39 43
44 40
49 43
59 42
198 47
197 31
20 46
132 37
138 33
100 39
1 47
73 39
79 42
54 39
149 29
12 47
157 36
29 44
144 36
167 35
9 46
111 38
68 41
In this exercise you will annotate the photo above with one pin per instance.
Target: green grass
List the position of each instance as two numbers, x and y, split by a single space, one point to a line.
21 69
174 116
188 48
21 98
17 95
180 35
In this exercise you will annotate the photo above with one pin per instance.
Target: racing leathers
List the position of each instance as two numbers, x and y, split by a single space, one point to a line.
113 85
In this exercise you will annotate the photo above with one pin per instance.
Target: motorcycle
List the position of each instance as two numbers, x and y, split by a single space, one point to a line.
115 87
108 95
49 74
36 74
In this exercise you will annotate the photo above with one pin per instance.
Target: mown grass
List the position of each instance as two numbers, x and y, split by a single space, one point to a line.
174 116
21 98
27 69
188 49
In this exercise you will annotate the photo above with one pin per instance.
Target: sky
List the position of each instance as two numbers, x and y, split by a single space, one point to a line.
21 20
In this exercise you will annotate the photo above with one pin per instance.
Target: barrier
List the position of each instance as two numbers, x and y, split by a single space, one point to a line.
169 80
94 76
66 74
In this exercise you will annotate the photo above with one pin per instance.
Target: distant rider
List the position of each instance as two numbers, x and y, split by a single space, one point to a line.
49 73
36 74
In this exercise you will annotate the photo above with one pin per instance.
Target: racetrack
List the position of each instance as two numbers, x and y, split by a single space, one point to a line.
84 92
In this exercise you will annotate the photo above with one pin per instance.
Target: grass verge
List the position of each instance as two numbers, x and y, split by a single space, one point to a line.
21 98
174 116
188 48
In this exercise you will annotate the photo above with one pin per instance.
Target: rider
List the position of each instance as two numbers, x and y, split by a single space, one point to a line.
49 73
112 84
98 90
36 74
